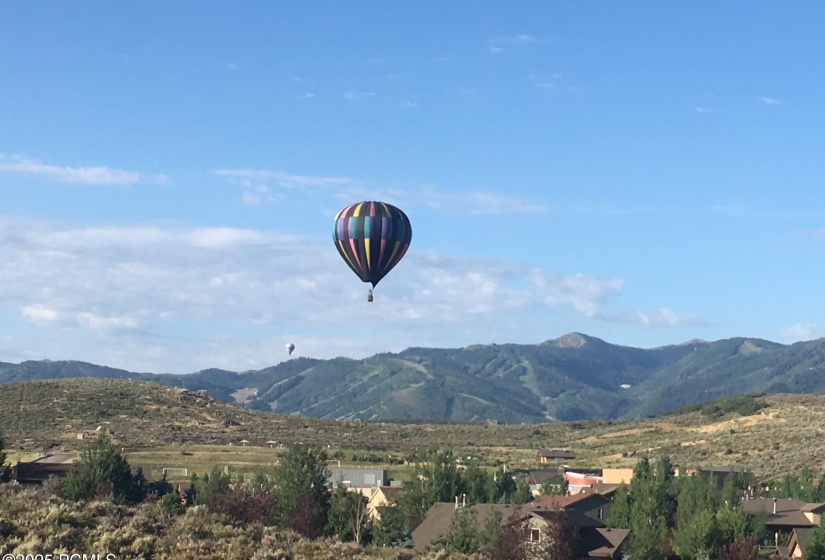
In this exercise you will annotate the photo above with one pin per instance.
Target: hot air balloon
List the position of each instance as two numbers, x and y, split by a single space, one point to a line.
372 237
290 347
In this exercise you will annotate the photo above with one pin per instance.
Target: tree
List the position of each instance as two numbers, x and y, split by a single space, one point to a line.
513 540
103 471
464 535
523 494
491 531
392 527
5 468
696 536
547 488
436 480
620 511
558 540
743 548
303 494
478 485
505 487
650 510
816 548
348 518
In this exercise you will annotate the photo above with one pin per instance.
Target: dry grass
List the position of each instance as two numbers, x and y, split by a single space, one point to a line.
159 430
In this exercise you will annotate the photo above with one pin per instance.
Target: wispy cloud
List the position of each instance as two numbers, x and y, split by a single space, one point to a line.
802 331
553 83
662 317
256 183
771 101
356 95
112 295
469 202
502 44
80 175
703 110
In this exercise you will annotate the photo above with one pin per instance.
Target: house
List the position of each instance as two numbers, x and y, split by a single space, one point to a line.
363 480
800 540
813 512
578 481
41 469
783 515
554 455
591 504
382 496
594 539
536 478
617 476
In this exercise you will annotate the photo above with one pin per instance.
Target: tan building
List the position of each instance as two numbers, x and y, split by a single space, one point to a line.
382 496
617 476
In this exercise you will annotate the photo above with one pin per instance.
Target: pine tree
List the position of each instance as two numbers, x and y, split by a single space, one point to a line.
5 468
303 494
816 548
103 471
621 508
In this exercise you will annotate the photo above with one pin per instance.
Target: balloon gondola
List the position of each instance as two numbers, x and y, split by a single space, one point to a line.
372 237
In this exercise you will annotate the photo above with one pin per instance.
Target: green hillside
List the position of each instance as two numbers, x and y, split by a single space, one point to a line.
572 378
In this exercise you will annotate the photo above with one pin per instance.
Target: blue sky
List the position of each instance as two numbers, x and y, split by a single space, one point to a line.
645 172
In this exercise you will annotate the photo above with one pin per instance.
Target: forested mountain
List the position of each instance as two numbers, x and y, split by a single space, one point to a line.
575 377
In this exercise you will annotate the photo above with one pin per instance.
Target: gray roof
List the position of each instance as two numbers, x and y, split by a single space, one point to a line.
788 512
359 478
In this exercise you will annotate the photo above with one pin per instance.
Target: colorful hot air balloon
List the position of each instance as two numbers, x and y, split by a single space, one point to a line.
290 347
372 237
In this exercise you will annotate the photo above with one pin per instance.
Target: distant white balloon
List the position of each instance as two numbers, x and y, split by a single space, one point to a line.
290 347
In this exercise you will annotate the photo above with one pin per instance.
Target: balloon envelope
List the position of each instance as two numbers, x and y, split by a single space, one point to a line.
372 237
290 347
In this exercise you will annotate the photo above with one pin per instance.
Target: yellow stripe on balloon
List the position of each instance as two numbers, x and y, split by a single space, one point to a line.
346 256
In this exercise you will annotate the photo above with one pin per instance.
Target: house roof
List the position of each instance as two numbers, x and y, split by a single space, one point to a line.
788 512
601 542
389 491
566 502
801 537
601 488
439 517
813 508
540 476
29 473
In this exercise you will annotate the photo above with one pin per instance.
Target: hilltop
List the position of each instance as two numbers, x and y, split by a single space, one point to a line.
770 435
571 378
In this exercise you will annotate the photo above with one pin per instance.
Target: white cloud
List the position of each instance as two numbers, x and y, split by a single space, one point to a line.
256 183
81 175
39 314
504 43
771 101
702 110
159 298
663 317
801 331
356 95
553 83
470 202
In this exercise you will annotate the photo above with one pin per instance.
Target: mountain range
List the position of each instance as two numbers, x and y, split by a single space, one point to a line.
574 377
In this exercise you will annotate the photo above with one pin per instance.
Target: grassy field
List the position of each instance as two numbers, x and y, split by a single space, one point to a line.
161 427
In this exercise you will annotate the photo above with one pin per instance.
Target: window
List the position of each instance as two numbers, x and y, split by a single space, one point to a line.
600 514
535 535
